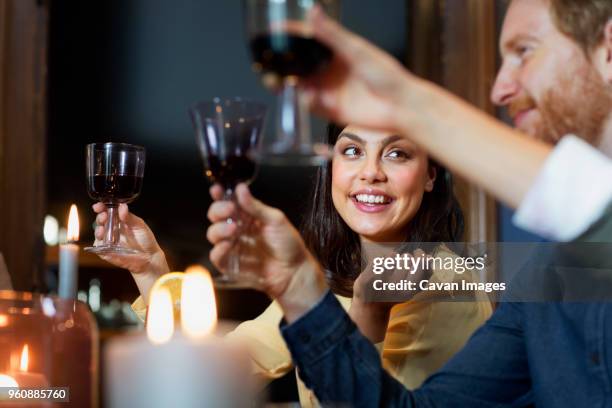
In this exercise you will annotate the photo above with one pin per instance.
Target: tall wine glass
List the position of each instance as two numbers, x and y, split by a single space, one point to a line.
285 52
114 176
228 134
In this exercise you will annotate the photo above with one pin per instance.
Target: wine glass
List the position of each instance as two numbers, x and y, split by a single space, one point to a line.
285 52
228 134
114 176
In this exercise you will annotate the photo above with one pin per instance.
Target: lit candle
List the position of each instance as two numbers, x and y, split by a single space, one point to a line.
190 367
23 378
69 258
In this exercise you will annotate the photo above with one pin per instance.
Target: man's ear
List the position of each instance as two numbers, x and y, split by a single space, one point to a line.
603 54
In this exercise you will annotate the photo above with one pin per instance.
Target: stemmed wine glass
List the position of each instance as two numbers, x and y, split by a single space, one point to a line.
285 52
114 176
228 134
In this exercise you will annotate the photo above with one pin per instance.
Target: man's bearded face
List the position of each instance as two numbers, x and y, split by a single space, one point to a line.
547 83
579 105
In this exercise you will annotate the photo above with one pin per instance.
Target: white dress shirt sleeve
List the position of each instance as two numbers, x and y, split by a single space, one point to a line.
572 191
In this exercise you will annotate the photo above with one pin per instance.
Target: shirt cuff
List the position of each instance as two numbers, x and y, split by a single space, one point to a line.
571 192
311 336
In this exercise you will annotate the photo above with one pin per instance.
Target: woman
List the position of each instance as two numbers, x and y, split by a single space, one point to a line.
378 188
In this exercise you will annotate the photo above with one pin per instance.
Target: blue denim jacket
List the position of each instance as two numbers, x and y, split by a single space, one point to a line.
550 354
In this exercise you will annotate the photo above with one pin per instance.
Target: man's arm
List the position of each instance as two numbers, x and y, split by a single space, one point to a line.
337 362
341 366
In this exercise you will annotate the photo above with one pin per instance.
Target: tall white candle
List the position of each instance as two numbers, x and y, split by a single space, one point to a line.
69 258
189 368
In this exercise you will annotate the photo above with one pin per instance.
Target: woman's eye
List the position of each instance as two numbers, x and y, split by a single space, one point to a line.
398 154
351 151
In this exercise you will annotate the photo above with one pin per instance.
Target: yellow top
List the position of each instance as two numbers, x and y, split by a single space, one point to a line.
421 336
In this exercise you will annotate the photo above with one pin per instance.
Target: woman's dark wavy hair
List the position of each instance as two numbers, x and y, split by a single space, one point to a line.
338 248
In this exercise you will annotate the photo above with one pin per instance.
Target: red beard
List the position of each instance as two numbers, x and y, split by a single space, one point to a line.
580 104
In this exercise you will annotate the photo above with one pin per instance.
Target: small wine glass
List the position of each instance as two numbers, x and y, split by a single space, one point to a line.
114 176
228 134
284 52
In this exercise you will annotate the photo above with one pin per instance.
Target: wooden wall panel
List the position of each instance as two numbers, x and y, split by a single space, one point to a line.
453 43
469 57
23 56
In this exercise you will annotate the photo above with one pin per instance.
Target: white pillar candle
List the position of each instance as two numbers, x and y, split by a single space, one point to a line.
180 373
189 368
69 258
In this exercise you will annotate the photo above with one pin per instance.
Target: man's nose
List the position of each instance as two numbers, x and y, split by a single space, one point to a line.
506 87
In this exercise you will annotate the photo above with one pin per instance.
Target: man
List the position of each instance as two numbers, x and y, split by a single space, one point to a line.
556 79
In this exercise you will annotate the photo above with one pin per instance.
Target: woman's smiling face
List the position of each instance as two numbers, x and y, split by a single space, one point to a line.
378 182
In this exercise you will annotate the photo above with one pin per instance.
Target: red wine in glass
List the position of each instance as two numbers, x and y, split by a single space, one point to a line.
288 54
228 134
231 170
110 188
285 51
114 176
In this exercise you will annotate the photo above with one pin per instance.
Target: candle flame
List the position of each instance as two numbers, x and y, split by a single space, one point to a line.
198 305
3 320
73 224
7 381
160 321
23 365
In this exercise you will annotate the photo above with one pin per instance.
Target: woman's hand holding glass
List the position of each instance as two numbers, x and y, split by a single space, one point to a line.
134 233
271 248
